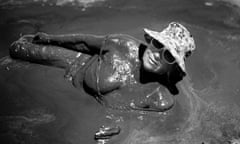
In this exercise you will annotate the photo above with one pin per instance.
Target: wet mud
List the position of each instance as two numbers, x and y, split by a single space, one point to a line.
39 106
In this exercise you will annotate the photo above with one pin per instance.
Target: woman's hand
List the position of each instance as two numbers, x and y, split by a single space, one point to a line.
106 133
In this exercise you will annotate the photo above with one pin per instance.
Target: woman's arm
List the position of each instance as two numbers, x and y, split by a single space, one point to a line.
51 55
86 43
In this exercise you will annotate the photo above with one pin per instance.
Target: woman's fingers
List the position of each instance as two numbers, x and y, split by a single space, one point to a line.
105 133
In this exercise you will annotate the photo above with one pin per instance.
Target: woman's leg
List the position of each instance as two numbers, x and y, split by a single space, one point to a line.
44 54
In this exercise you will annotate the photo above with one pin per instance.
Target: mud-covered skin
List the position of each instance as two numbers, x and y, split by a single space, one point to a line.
25 49
117 70
105 133
114 74
118 67
119 82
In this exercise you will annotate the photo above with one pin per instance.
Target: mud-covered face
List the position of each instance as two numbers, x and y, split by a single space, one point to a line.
157 58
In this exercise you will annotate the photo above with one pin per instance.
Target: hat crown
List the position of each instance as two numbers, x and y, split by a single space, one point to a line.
180 37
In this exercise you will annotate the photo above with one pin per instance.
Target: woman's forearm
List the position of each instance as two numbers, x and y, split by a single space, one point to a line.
78 42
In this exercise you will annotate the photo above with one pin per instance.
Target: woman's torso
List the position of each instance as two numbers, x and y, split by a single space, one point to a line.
118 66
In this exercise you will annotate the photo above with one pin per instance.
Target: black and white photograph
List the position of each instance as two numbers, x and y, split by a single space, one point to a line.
119 71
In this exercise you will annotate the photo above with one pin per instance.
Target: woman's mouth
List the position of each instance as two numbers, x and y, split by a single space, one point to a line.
152 60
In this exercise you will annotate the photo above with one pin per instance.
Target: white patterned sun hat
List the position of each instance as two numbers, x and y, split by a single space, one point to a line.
177 39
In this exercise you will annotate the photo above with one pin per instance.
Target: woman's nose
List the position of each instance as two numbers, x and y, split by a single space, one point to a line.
157 56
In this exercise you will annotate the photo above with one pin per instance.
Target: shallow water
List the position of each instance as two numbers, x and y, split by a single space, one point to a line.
39 106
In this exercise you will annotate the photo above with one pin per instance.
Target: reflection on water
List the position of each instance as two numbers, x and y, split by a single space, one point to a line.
39 106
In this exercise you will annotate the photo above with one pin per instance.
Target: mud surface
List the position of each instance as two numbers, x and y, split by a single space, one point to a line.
39 106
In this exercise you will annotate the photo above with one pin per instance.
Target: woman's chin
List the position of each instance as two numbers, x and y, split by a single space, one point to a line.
148 67
153 69
158 70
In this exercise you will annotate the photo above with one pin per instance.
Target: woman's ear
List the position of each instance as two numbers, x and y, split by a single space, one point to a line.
147 37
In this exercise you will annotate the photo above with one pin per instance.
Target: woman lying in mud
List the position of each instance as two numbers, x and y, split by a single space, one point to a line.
104 65
116 68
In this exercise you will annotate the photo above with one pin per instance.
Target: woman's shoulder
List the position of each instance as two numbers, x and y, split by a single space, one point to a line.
127 45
